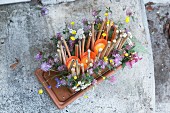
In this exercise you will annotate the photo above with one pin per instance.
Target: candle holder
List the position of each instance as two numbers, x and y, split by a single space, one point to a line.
100 43
84 59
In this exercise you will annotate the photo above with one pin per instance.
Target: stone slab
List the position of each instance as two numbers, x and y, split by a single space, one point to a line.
12 1
50 2
157 1
27 32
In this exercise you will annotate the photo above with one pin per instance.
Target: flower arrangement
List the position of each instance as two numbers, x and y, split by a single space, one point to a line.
86 53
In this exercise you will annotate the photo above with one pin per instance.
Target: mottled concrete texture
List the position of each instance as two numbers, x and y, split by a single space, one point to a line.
12 1
23 31
161 54
157 1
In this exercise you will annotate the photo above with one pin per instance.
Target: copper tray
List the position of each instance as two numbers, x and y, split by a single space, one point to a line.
63 96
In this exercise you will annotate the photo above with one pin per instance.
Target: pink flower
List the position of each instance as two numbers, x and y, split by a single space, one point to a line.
112 79
94 82
135 58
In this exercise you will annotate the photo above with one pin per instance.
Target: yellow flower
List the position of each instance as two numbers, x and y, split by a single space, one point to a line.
85 96
104 34
106 14
111 61
108 22
77 85
127 20
104 78
72 38
126 54
73 32
105 59
75 77
40 91
72 23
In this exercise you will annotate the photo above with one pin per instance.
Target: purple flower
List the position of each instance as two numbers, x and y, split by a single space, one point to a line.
69 76
45 66
51 60
94 13
128 12
117 59
102 64
58 82
84 21
128 47
56 60
49 87
61 68
97 20
90 71
94 82
39 56
71 44
63 82
59 36
87 28
44 11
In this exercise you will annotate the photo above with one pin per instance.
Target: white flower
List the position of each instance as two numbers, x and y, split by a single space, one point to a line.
130 34
129 42
79 82
80 33
91 64
117 31
78 89
75 87
124 35
83 87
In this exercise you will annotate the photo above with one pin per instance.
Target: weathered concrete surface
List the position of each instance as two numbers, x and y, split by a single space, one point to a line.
50 2
161 52
25 31
157 1
12 1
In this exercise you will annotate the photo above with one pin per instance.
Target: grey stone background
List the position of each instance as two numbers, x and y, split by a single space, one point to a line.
23 31
161 54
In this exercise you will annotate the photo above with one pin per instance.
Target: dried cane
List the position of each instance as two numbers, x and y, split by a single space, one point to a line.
92 39
101 29
88 41
105 49
83 42
66 46
63 55
79 47
111 48
76 50
59 54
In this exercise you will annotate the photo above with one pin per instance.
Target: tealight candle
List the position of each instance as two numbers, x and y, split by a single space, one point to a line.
100 43
69 61
85 59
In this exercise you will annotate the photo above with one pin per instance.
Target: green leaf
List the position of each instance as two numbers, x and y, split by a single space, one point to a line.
123 65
